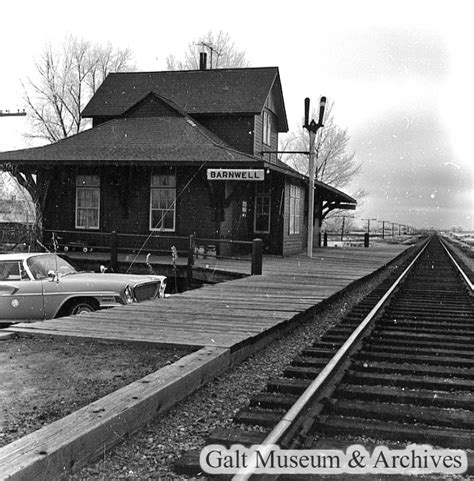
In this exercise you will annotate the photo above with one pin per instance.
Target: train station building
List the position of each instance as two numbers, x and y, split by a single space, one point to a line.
179 152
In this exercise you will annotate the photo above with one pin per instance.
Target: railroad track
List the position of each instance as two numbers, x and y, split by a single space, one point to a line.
398 370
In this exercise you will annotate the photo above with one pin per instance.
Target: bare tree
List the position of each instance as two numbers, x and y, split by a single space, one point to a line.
221 50
66 80
340 224
36 185
334 165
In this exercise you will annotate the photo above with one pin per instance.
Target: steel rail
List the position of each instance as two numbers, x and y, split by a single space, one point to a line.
463 274
289 418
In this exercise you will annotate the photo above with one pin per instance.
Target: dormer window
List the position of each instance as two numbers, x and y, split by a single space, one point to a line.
267 128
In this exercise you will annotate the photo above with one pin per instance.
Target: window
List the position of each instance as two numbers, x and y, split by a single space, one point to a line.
262 208
40 266
163 202
295 209
87 201
12 271
267 128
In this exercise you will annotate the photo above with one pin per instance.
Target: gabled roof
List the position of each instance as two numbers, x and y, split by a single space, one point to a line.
150 139
197 92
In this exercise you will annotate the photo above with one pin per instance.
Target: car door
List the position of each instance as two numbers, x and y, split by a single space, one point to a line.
21 299
55 293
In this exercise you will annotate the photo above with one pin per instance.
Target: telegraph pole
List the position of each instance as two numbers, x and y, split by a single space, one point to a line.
312 127
368 225
383 227
343 225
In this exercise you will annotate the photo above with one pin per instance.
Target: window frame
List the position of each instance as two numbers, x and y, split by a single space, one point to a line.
89 183
264 193
163 187
295 197
267 128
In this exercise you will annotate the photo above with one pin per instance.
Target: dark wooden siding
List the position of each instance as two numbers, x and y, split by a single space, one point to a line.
237 131
125 203
259 146
61 200
125 208
195 214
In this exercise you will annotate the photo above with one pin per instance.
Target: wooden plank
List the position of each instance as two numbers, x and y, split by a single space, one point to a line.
222 316
228 313
189 312
168 319
204 332
171 340
176 338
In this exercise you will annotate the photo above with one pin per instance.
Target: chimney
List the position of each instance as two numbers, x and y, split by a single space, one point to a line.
202 61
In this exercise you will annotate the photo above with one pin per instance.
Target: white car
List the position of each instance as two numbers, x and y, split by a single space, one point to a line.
38 286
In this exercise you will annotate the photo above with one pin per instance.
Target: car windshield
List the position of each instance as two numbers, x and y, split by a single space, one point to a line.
41 265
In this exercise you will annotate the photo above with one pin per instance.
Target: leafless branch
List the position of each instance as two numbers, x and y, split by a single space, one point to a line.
65 81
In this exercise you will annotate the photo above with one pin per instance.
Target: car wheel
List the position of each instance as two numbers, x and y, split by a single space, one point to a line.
82 307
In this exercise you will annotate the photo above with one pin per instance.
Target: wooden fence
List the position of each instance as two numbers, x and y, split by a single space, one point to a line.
190 246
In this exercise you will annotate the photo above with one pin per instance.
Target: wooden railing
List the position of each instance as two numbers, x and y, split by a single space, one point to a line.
190 246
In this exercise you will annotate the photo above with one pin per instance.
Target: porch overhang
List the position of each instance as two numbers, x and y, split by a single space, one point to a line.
330 197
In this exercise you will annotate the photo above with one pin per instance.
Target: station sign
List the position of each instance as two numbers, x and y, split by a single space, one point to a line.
236 174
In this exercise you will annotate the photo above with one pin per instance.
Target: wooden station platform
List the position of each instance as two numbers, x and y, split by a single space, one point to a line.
230 313
226 321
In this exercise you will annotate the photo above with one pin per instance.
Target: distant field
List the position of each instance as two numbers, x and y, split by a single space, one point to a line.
464 241
464 237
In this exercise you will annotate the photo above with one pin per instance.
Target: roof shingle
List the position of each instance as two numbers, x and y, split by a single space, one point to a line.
228 91
157 139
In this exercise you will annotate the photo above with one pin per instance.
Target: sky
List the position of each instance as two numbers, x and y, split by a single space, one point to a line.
400 74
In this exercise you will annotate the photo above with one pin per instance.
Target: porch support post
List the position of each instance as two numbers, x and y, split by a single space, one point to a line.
192 245
257 254
114 251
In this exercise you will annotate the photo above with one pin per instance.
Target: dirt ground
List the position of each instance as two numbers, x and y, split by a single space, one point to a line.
44 379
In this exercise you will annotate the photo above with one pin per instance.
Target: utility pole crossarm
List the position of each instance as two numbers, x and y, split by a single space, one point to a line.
7 113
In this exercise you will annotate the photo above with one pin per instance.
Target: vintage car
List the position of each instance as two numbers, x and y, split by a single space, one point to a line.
38 286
